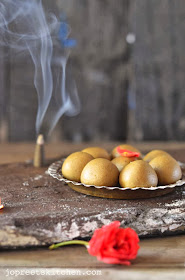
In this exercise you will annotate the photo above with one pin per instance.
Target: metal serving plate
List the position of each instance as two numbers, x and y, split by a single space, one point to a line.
117 192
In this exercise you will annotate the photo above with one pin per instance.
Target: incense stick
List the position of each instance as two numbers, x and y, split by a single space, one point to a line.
38 160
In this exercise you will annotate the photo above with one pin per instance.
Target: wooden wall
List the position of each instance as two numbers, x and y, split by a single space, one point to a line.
158 64
127 91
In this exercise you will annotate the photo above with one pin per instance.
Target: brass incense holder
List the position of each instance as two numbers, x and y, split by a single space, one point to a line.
115 192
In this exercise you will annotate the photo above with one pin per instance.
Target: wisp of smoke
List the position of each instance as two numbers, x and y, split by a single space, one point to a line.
25 26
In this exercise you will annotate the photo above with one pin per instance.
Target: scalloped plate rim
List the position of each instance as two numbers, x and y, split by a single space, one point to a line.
53 171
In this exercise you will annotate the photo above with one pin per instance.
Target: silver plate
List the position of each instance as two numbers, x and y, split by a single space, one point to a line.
54 170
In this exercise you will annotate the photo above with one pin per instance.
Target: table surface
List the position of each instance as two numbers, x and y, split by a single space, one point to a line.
157 256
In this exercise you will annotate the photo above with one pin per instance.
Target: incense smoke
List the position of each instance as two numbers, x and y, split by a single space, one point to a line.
25 26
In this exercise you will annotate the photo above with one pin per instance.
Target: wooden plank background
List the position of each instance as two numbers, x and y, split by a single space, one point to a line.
127 91
159 63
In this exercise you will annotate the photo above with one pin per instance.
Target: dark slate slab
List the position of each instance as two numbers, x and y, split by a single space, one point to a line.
40 210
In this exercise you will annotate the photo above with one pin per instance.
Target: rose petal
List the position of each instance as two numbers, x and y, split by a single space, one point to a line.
113 261
102 236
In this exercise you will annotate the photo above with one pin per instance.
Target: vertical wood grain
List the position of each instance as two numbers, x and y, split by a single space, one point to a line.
101 59
4 96
127 91
159 64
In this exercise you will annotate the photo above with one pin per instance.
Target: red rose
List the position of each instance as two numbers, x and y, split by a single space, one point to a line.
110 244
114 245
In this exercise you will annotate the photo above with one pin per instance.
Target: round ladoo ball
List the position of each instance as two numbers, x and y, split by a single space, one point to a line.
167 169
151 155
100 172
97 152
121 162
74 164
115 153
138 174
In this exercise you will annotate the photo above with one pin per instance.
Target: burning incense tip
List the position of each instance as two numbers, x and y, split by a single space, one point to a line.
40 140
38 160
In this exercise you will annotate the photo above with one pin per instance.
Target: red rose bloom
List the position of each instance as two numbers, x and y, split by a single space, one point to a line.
114 245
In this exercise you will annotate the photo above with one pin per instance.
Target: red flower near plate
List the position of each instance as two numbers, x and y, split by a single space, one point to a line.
110 244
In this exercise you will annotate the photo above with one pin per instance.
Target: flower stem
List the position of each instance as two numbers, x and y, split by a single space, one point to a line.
71 242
